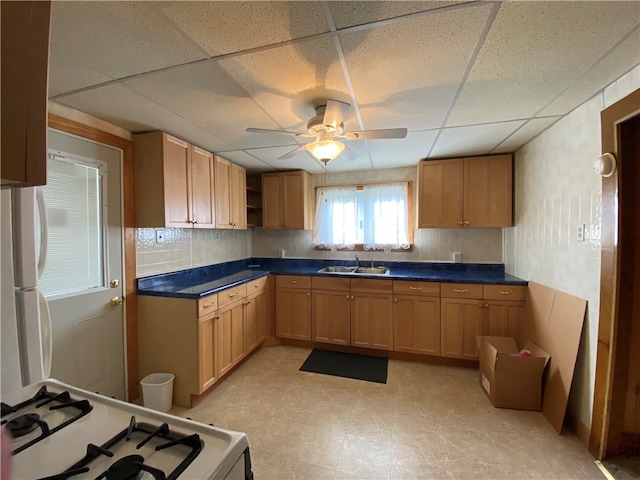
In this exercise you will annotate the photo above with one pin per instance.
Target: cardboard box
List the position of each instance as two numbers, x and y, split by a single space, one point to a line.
511 381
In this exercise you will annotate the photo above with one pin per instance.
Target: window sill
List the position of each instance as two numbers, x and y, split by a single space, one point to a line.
360 248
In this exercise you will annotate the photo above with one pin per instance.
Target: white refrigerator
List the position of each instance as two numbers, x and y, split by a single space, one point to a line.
25 321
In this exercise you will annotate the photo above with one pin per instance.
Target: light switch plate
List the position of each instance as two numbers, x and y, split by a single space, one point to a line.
580 232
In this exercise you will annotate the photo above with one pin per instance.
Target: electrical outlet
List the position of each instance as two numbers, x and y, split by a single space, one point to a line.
580 232
217 235
159 236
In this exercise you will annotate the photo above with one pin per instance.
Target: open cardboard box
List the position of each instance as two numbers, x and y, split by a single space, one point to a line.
509 380
552 321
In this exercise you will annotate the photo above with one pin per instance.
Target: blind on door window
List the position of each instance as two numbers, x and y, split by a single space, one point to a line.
73 197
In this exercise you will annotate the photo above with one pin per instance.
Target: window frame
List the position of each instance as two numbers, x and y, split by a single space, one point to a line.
359 247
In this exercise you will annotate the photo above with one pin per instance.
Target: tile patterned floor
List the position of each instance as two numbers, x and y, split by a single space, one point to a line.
428 421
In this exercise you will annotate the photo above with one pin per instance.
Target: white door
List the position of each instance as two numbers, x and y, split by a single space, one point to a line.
85 264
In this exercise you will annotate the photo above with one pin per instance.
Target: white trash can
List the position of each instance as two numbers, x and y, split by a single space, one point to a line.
157 391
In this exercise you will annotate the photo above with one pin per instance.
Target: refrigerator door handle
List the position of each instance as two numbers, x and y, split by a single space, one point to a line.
45 332
44 232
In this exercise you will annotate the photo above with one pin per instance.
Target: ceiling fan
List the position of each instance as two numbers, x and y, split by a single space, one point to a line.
327 125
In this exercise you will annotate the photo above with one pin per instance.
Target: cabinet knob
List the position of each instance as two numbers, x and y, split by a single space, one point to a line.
395 300
460 222
195 222
308 294
486 305
352 297
347 297
466 222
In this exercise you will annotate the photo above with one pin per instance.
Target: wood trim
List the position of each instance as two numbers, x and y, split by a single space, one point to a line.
131 311
608 355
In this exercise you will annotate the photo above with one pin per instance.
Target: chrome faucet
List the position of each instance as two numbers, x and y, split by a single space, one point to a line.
357 261
372 264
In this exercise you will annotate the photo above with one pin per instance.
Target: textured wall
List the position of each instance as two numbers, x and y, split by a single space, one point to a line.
555 190
477 245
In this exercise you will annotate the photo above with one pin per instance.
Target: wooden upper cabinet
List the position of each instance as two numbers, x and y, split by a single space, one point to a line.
173 182
231 186
287 201
465 192
25 67
440 193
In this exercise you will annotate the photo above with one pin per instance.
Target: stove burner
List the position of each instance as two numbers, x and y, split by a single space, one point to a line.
127 468
22 425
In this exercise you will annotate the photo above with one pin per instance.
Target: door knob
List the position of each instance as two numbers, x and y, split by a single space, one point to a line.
115 301
114 283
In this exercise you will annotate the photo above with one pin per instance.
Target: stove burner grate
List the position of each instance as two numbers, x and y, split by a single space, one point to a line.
20 426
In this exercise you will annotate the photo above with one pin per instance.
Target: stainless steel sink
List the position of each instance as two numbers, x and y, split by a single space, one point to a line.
337 269
371 271
355 270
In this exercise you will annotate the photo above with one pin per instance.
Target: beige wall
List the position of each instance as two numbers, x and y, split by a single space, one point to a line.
477 245
555 190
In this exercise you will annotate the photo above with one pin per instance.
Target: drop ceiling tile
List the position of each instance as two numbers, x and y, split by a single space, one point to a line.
535 50
112 40
472 140
288 81
528 132
205 94
409 71
248 161
226 27
402 152
613 66
126 108
347 14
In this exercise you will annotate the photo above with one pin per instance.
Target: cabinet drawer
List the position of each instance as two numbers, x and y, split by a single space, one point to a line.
207 304
324 283
460 290
231 295
427 289
293 281
257 285
371 285
517 293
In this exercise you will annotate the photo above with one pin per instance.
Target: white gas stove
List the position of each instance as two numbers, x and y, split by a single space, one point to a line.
59 432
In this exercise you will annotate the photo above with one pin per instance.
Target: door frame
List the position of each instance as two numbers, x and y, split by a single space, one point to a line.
615 315
129 232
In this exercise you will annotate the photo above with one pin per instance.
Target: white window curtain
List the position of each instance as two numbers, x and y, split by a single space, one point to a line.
386 224
336 222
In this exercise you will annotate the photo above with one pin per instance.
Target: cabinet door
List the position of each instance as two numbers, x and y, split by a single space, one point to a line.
231 347
416 324
503 318
293 313
177 182
488 191
202 198
331 318
293 200
25 53
461 323
440 193
272 201
372 320
238 197
256 320
207 364
223 192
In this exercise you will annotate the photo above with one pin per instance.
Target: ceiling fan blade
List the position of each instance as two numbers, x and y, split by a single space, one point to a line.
348 154
292 153
265 130
376 134
334 113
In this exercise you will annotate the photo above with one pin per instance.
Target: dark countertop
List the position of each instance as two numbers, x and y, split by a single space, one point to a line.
202 281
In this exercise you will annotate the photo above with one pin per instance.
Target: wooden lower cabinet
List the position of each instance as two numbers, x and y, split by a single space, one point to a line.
416 323
231 342
256 319
503 319
293 307
461 322
207 343
331 317
372 320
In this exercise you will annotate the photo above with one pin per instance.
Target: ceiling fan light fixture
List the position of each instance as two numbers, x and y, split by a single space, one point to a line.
325 150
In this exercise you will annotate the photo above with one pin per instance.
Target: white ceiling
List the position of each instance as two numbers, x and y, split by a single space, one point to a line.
465 78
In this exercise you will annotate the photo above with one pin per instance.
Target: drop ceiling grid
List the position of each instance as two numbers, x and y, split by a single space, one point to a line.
473 140
286 80
227 27
397 153
621 60
206 95
522 135
392 67
115 42
532 53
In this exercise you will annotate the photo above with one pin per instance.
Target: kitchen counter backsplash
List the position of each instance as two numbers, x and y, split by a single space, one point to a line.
202 281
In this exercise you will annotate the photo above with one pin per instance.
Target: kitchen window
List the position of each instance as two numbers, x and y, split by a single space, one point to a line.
368 217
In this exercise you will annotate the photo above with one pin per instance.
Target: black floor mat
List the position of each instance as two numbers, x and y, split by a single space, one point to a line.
348 365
